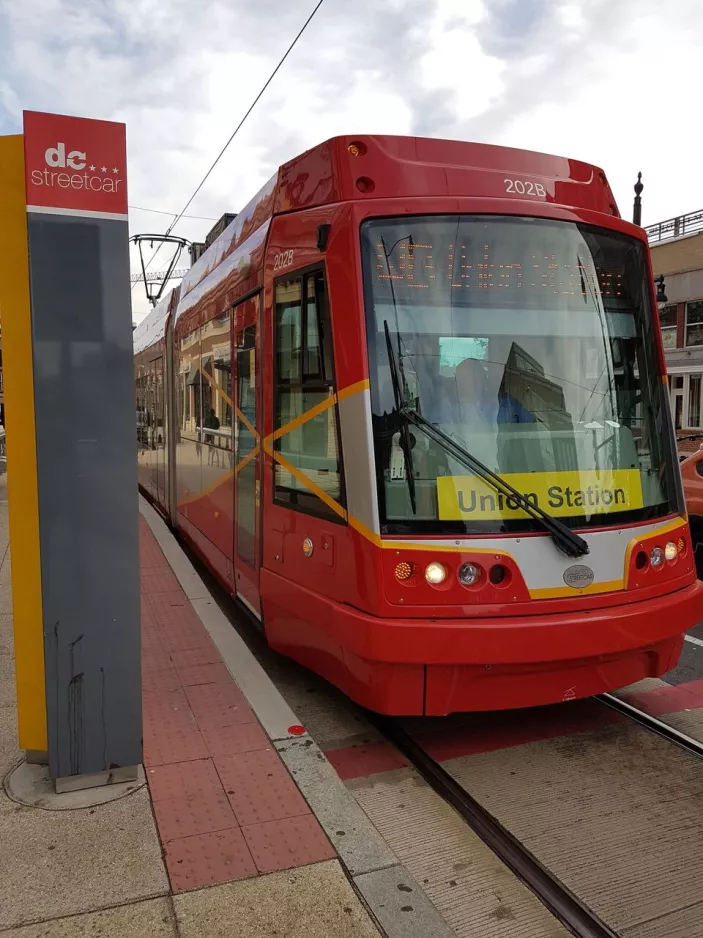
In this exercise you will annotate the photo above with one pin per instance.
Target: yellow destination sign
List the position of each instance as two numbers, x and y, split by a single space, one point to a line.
558 493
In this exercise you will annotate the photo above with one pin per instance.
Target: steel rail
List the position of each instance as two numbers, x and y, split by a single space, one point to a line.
662 729
560 901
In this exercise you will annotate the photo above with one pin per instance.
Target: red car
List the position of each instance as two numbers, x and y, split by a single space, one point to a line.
692 472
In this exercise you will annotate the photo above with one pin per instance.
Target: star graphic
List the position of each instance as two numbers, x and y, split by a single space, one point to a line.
103 169
115 170
91 168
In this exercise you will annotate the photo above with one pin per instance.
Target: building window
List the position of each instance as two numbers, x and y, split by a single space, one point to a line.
694 400
308 472
694 323
667 320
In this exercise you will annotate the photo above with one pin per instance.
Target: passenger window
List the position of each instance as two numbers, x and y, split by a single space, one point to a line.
189 385
308 473
216 383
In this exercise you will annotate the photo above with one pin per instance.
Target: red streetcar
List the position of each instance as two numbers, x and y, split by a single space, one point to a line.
410 408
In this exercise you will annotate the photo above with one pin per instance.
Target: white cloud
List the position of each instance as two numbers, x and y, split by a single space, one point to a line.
613 83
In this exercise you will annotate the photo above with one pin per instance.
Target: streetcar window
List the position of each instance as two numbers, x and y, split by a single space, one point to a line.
304 383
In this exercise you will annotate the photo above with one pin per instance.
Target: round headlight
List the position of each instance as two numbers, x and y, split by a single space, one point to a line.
670 551
435 573
468 574
656 557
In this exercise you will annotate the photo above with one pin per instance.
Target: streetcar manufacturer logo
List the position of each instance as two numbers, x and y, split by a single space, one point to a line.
578 576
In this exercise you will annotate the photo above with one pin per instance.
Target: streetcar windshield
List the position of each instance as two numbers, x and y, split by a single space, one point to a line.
532 344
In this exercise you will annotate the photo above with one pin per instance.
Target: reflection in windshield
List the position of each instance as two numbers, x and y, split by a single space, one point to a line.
531 344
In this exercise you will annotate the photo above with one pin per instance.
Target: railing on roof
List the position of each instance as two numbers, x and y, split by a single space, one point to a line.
675 227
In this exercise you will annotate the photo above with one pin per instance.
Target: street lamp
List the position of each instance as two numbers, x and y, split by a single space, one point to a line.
662 298
637 207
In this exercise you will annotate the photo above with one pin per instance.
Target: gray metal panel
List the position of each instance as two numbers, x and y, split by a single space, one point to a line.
358 450
87 478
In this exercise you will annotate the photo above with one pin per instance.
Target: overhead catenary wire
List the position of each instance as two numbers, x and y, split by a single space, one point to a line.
159 211
238 127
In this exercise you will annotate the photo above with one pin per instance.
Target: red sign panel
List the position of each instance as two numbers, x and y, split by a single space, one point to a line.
74 164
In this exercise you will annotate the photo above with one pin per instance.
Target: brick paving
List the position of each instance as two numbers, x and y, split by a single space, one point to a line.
226 807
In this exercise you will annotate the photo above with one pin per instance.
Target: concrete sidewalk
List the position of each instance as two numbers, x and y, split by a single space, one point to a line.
100 870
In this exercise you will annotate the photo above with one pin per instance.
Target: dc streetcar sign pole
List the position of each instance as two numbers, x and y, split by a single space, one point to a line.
67 330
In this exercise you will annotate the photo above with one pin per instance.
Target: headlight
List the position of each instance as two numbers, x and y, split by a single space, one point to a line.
468 574
671 551
656 557
435 573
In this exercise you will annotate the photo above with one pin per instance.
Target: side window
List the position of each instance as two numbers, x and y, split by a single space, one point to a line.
309 467
141 407
216 382
189 375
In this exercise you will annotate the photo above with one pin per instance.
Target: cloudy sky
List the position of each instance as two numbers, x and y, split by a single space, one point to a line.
613 82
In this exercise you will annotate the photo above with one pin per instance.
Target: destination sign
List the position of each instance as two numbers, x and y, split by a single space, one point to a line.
483 266
566 494
502 261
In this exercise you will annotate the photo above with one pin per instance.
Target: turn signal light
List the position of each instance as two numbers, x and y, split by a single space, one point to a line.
404 571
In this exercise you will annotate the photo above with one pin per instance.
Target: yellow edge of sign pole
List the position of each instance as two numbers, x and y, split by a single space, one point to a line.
21 449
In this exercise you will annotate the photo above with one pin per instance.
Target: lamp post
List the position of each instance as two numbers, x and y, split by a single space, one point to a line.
637 207
662 298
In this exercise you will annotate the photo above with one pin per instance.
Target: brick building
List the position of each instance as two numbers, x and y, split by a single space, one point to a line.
677 253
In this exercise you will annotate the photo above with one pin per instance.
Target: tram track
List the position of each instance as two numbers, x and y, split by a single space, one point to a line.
560 901
672 735
566 907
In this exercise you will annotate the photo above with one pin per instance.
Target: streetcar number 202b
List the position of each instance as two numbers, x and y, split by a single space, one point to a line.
280 261
525 188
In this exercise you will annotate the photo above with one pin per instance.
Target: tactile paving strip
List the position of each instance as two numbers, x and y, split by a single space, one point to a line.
204 674
181 779
160 680
288 842
259 787
231 740
197 813
210 765
161 748
206 859
219 705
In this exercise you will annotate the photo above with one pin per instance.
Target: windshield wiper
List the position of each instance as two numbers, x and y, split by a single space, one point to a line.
566 540
405 438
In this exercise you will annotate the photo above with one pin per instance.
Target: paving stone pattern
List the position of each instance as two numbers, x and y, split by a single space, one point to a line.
225 804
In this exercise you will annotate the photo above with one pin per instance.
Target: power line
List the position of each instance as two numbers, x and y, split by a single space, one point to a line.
239 125
156 211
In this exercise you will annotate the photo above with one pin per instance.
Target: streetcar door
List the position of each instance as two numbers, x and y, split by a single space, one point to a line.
245 361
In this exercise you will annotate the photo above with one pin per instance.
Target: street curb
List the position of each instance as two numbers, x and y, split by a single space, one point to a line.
398 902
